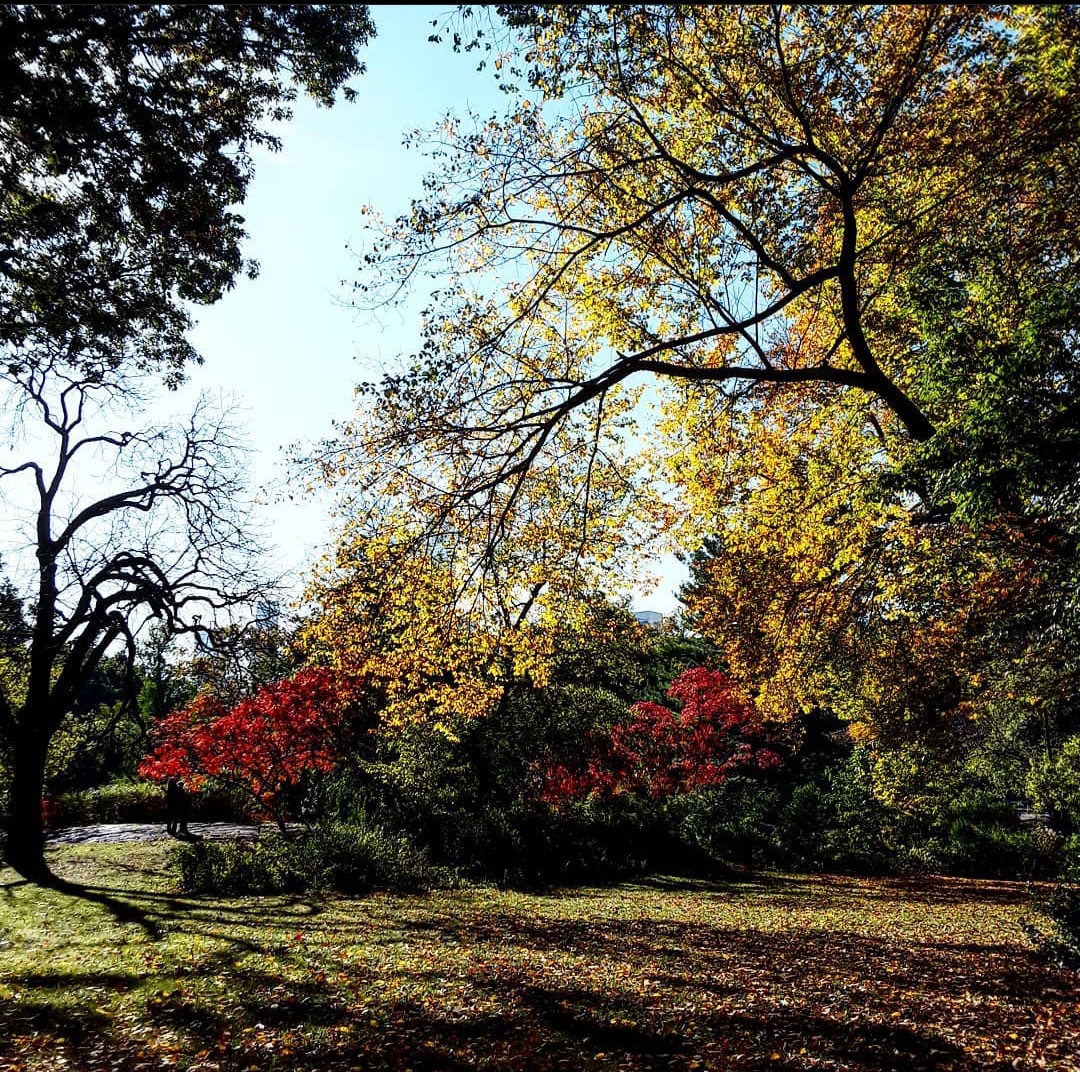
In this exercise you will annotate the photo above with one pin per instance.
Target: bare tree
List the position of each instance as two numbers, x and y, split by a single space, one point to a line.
163 535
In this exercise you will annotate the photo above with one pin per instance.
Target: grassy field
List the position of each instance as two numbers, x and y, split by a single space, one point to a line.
778 972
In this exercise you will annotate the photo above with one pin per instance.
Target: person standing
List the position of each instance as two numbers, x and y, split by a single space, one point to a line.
177 804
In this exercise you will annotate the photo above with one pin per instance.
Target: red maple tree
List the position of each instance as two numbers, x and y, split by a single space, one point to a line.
660 753
266 743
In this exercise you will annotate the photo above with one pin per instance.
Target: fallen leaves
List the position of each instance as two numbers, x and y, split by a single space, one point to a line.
781 974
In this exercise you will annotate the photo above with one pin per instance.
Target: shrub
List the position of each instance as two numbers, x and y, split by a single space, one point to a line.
830 819
1062 943
348 857
1069 859
595 840
732 824
972 835
355 858
117 802
131 801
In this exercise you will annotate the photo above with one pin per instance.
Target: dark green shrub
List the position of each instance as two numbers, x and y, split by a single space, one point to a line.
974 835
136 801
732 824
597 839
117 802
269 865
350 858
803 822
1063 907
1061 943
831 821
853 837
1068 863
355 858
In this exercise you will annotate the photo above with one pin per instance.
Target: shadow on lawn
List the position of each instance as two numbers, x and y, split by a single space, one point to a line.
547 1029
542 1029
841 890
124 908
700 954
534 993
43 1021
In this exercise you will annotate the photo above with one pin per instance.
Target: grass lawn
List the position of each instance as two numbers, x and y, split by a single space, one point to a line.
780 972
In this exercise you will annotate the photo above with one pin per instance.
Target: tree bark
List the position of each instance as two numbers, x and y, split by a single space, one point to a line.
25 850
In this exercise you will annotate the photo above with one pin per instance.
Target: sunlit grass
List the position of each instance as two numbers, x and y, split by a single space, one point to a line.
777 972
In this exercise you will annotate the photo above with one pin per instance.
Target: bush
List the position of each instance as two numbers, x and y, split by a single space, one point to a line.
974 835
598 839
347 857
1062 943
732 824
137 801
117 802
828 819
1069 859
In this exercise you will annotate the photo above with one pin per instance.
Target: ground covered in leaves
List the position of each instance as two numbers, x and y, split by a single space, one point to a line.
775 972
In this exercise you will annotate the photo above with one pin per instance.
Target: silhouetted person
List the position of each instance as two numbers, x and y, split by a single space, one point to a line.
177 807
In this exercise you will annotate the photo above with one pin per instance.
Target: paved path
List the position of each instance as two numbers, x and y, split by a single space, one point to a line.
106 833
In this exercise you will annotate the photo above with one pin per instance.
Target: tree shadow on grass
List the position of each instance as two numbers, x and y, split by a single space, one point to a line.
547 1029
30 1018
541 1029
828 890
752 1041
123 909
514 1016
518 1014
699 952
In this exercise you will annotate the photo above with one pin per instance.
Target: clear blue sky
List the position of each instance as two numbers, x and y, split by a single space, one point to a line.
286 345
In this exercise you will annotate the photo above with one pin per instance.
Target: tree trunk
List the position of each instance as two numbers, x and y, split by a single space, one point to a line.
25 826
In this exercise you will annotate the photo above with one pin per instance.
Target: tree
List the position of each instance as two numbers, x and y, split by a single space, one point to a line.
923 591
426 603
129 132
163 535
468 789
716 197
14 634
267 743
164 686
659 753
102 736
234 661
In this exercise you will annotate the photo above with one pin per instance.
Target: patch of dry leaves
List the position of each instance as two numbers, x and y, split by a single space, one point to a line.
780 973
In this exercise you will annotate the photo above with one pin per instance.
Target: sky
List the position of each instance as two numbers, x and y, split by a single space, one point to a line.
286 346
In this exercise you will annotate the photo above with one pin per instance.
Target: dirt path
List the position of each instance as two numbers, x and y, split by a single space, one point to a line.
110 833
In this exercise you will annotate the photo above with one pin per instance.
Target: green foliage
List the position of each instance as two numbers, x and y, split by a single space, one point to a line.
95 746
116 802
137 801
1069 858
1054 781
164 686
971 837
1060 943
129 131
735 824
833 823
602 840
467 789
347 857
